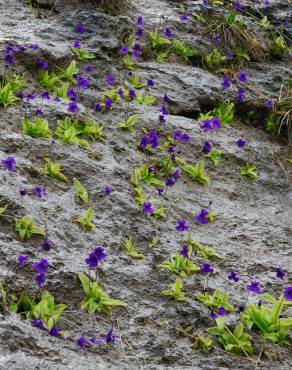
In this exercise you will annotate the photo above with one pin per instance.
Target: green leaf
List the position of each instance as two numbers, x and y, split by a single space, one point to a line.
215 156
83 55
26 228
37 128
129 123
81 191
86 220
175 291
53 170
131 250
197 173
249 171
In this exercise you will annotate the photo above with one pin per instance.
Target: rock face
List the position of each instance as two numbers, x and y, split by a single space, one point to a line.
253 230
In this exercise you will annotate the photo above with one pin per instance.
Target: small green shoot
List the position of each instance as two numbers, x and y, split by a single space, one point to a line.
215 300
129 123
53 170
131 250
202 343
249 171
81 191
215 156
37 128
96 299
83 55
197 173
47 80
7 96
237 342
26 228
175 291
86 220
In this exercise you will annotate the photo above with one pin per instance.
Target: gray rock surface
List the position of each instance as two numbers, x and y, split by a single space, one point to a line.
253 231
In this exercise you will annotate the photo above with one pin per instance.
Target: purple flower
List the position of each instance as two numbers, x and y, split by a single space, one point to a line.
240 95
88 68
46 244
107 190
166 99
22 192
152 139
38 324
9 49
124 49
19 95
30 96
206 268
182 225
139 33
38 112
45 95
216 39
225 84
72 107
170 181
9 163
269 104
279 273
110 79
39 192
41 267
150 83
185 251
82 83
140 20
162 118
43 65
237 5
79 28
184 18
254 287
96 257
229 56
82 342
207 147
34 46
147 208
109 337
108 102
132 94
241 143
136 51
205 3
160 190
22 261
40 279
97 107
242 77
55 331
206 125
163 110
168 32
288 293
266 3
77 44
216 122
178 135
71 94
233 276
222 311
202 217
20 48
9 59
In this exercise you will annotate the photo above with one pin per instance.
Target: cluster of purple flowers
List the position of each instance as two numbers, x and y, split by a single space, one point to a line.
9 54
82 342
180 136
202 217
55 331
9 163
172 178
151 139
42 269
95 257
211 124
